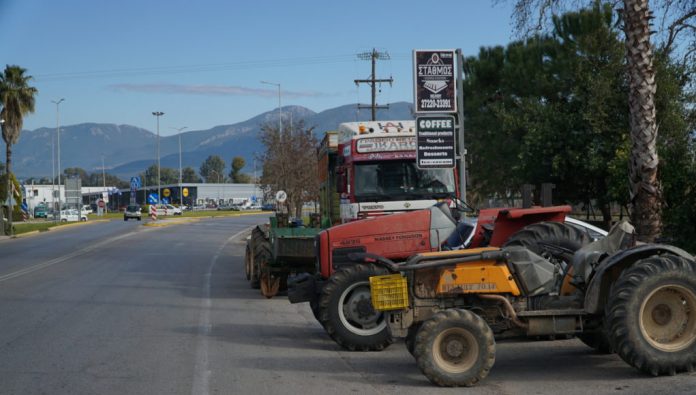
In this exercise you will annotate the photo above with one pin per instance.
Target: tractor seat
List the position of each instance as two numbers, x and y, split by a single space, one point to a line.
445 231
621 236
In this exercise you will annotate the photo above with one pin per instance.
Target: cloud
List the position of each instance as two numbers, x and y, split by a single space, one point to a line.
213 90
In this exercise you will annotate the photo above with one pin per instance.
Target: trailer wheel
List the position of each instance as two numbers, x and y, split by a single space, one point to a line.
455 348
651 315
346 312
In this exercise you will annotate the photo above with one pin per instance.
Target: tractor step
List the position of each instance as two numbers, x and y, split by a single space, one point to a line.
549 313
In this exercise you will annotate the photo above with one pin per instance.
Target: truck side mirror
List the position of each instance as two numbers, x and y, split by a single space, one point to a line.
341 181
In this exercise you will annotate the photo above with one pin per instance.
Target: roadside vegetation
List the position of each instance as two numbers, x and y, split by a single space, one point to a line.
555 108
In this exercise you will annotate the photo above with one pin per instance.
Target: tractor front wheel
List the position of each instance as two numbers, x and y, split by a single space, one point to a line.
455 348
651 315
346 312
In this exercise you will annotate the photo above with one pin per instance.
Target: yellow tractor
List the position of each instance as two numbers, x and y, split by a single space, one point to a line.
638 300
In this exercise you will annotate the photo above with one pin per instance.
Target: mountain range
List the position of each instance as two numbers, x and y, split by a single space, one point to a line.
128 150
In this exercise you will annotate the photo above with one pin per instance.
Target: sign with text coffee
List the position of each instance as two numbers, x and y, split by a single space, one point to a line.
435 142
435 86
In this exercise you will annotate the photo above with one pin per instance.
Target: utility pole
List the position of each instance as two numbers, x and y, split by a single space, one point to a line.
373 56
158 114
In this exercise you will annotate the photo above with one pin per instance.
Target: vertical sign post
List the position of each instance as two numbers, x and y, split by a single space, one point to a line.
435 89
438 83
435 142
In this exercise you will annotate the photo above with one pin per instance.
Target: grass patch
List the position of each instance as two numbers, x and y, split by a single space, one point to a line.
20 228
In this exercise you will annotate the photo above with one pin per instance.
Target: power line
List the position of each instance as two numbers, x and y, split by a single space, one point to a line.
245 65
373 56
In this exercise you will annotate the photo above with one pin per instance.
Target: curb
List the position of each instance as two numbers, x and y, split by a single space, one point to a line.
26 234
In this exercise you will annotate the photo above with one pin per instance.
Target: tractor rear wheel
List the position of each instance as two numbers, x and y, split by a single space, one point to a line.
247 262
651 316
261 247
346 312
554 241
541 237
455 348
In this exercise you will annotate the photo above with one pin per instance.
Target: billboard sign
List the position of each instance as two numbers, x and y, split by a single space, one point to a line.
436 142
435 87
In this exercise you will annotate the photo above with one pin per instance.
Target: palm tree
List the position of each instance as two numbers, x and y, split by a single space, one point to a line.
17 100
644 184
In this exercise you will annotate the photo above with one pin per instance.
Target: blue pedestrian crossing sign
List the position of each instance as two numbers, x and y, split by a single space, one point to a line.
253 198
135 183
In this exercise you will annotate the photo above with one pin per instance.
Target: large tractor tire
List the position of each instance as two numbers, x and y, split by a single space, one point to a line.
261 248
247 262
346 312
540 238
651 316
455 348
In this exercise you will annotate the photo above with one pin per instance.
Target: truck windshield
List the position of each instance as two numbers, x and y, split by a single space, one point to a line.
401 180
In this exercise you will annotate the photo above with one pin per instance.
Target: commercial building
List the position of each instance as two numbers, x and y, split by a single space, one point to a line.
189 194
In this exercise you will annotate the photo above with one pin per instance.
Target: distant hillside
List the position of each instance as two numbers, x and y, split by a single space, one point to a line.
128 150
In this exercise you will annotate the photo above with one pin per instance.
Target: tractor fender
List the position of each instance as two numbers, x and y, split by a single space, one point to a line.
598 290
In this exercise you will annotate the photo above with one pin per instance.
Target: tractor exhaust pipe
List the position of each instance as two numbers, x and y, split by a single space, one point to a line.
508 307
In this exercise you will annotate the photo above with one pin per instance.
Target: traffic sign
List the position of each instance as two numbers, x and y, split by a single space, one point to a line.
135 183
435 142
281 196
152 198
435 87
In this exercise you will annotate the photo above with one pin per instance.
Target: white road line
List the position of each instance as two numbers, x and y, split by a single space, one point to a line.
201 374
63 258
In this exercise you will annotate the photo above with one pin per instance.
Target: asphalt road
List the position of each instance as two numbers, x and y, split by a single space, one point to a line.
119 308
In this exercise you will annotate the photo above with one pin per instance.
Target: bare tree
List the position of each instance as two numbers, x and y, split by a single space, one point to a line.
677 34
290 164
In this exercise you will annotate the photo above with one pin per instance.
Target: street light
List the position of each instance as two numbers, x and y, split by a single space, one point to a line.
280 113
57 103
181 195
158 114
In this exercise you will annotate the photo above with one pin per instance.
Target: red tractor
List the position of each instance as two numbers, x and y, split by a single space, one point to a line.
339 290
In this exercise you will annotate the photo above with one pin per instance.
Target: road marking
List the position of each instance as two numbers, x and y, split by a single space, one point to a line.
201 374
63 258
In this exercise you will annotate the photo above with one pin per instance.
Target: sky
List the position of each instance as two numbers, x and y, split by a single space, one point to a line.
202 62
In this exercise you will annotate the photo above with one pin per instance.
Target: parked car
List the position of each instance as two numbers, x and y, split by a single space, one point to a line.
86 209
71 215
40 212
133 212
255 207
167 209
268 207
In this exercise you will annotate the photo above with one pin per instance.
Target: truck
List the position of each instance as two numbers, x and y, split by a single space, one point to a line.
365 170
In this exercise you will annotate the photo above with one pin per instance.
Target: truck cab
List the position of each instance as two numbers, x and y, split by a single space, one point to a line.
376 171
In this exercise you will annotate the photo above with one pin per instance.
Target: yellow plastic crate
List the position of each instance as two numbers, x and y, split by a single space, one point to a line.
389 292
